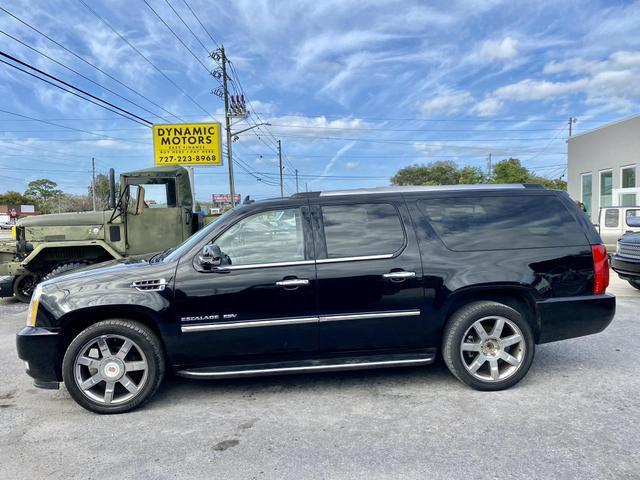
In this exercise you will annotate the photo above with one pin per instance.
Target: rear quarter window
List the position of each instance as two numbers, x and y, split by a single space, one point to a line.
502 223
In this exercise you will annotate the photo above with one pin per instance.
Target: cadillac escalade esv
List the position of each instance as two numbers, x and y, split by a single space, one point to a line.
323 281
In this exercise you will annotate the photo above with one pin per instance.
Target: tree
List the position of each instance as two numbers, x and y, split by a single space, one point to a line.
14 198
552 183
471 175
102 191
436 173
44 192
510 171
73 203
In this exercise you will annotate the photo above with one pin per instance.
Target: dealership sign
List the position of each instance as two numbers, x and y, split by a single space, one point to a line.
223 198
187 144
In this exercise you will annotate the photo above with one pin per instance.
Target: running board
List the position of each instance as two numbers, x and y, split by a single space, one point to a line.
316 365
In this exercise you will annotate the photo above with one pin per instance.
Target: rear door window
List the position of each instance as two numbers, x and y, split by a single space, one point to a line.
501 222
611 217
364 229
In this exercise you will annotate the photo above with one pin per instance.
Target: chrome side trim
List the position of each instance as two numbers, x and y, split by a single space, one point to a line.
352 259
263 265
309 368
371 315
204 327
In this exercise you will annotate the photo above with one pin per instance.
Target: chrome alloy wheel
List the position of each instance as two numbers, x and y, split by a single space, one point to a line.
492 349
110 369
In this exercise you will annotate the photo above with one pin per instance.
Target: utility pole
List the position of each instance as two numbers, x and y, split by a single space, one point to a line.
280 162
489 164
93 182
571 122
306 187
227 119
297 188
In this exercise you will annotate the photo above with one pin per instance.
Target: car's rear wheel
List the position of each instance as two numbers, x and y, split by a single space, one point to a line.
113 366
635 283
488 345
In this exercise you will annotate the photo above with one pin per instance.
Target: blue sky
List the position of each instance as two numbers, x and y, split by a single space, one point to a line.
355 90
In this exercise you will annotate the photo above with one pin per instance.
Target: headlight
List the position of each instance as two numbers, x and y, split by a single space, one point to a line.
14 233
33 306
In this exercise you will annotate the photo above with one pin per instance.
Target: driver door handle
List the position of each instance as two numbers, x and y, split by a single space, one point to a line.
293 283
398 276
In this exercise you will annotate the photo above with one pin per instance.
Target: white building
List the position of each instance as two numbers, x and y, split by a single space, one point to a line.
603 166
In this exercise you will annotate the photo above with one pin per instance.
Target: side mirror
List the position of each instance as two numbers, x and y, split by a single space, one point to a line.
633 222
210 257
140 200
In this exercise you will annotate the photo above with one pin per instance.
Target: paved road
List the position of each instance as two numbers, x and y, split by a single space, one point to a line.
576 415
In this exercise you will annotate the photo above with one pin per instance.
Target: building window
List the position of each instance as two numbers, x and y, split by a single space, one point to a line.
606 188
628 180
586 192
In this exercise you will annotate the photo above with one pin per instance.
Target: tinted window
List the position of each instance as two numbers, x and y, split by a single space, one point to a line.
362 229
498 223
611 217
267 237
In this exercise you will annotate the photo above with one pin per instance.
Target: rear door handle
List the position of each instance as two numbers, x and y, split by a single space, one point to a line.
398 276
293 283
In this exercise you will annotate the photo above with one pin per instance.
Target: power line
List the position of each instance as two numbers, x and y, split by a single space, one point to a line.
84 92
177 36
148 61
85 60
188 28
81 75
203 27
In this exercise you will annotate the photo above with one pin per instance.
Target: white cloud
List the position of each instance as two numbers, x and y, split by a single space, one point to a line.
504 50
529 89
447 104
351 165
488 107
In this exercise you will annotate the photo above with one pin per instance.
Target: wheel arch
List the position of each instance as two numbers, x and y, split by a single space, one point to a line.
78 320
518 297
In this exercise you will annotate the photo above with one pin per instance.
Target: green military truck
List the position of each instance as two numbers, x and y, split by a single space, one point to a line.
152 211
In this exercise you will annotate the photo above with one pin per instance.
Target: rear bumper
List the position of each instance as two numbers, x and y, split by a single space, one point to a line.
570 317
6 286
40 348
626 268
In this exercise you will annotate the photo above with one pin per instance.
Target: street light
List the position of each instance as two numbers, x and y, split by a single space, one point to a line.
232 137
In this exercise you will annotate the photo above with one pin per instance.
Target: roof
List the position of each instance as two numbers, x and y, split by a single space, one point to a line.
419 188
606 125
180 173
156 171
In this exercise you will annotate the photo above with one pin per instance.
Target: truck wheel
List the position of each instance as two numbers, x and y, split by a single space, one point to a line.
635 283
24 285
64 268
113 366
488 345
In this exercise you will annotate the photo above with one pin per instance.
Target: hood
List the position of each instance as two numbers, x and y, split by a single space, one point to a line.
632 238
65 219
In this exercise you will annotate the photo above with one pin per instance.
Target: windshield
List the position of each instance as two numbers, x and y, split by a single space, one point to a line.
190 242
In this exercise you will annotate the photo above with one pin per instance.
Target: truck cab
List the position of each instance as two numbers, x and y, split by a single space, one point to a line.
616 221
152 211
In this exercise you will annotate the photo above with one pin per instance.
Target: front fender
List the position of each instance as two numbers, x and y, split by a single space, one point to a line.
33 256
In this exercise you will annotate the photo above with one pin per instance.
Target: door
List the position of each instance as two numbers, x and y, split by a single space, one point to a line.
262 301
370 292
162 222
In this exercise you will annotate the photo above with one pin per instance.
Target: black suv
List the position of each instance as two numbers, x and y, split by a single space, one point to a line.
336 280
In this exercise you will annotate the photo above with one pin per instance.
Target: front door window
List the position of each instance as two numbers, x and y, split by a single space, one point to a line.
269 237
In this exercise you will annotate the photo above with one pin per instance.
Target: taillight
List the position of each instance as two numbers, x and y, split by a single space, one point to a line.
600 269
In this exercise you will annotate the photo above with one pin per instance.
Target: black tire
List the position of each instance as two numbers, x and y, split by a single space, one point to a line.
65 267
460 327
634 283
144 339
24 285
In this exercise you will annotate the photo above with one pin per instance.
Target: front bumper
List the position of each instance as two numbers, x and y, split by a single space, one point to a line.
570 317
6 286
41 349
626 268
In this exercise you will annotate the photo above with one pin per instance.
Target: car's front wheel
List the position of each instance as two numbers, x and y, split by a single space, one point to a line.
488 345
113 366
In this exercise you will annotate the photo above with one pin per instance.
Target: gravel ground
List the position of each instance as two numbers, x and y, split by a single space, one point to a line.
576 415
